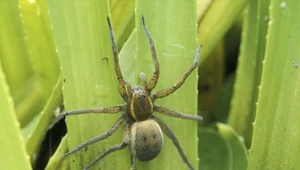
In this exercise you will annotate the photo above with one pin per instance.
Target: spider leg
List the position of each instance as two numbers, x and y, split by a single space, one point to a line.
113 148
171 135
109 110
128 88
173 113
154 78
168 91
111 131
121 81
133 163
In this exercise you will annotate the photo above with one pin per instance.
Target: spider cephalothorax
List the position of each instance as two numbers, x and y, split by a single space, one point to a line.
143 132
141 105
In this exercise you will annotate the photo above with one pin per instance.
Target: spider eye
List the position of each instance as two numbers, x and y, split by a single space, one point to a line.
141 95
146 140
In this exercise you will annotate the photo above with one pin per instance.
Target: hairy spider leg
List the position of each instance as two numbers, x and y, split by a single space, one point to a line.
170 90
129 90
153 81
176 114
120 146
121 81
107 110
171 135
119 122
133 163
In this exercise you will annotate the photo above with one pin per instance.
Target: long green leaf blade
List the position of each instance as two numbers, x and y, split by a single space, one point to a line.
216 22
82 39
43 58
13 153
252 50
35 138
276 136
175 41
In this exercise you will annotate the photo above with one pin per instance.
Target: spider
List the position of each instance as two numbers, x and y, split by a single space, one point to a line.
143 132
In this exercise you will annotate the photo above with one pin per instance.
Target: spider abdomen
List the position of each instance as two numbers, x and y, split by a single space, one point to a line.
146 140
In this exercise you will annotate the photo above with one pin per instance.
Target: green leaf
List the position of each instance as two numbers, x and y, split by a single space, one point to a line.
276 132
175 41
122 19
221 148
243 104
11 38
216 22
43 58
39 131
81 36
16 62
127 55
13 154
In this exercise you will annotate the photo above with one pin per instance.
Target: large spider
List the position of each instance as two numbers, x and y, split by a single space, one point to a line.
142 130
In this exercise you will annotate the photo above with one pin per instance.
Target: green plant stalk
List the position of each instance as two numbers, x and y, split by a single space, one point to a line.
243 103
276 132
13 154
174 37
40 47
39 131
216 22
81 36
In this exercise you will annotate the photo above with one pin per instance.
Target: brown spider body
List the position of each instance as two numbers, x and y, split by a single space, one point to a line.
141 105
146 140
143 131
146 137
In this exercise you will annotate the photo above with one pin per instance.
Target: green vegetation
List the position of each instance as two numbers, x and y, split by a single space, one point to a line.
56 53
